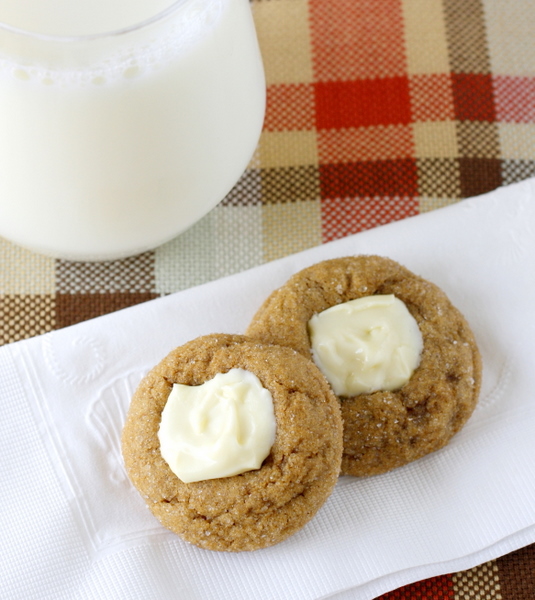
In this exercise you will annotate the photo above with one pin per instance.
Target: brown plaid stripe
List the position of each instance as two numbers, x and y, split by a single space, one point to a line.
376 110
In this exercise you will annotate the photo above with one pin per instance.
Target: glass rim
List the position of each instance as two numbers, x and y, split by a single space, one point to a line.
159 16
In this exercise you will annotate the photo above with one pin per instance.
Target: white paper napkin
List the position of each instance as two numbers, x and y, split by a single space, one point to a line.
74 528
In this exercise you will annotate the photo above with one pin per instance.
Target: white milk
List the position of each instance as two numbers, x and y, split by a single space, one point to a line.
78 17
125 152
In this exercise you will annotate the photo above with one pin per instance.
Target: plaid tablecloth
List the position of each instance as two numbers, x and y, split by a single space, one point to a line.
377 110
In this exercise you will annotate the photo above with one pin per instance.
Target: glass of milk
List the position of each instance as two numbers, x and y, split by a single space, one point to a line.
122 122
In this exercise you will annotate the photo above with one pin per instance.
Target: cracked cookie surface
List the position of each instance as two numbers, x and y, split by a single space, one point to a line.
384 430
258 508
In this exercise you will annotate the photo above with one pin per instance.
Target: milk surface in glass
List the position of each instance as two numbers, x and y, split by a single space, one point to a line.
111 144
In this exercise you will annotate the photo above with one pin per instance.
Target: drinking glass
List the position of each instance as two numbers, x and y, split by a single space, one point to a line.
113 143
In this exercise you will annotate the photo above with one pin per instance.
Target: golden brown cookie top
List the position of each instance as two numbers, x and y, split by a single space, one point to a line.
257 508
385 429
327 284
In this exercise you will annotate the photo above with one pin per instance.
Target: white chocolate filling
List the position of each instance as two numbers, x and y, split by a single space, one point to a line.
364 345
221 428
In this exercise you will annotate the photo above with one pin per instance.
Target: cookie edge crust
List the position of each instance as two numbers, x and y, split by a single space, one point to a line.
166 495
348 278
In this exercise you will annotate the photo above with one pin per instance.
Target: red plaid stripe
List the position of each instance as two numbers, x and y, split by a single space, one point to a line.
436 588
473 97
432 97
371 178
515 99
365 143
289 107
362 103
357 39
344 216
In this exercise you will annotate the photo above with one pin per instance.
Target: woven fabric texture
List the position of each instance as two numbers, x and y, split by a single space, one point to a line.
377 110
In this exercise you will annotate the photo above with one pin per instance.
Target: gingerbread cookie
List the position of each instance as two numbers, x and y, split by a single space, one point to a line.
259 507
385 428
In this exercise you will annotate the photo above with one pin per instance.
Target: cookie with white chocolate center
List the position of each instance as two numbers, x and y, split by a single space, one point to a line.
243 506
436 384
